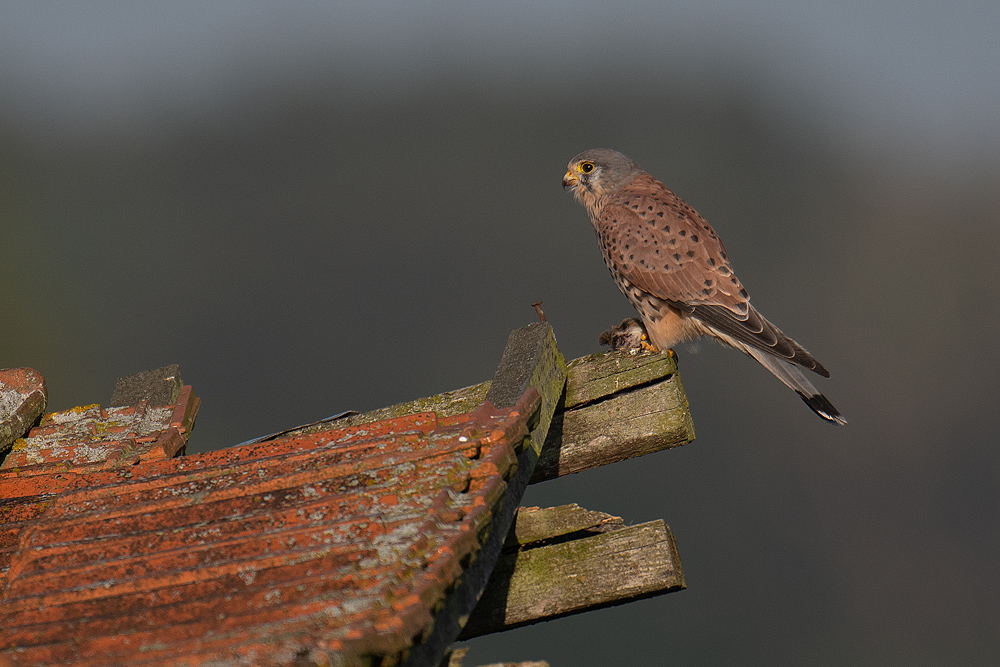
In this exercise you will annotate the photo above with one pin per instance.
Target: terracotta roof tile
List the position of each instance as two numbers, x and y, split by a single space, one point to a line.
328 547
22 399
53 456
91 437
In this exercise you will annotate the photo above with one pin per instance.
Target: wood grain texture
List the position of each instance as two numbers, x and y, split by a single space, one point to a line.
456 656
598 376
617 406
531 363
535 525
576 570
446 404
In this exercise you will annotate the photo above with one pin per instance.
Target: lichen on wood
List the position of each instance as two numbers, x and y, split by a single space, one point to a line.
617 406
574 569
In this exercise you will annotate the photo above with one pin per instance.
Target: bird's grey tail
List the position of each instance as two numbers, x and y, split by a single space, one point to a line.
798 382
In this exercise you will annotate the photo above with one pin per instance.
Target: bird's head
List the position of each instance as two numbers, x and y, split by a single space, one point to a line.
593 175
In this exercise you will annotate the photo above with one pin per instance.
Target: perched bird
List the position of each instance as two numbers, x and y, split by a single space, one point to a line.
674 269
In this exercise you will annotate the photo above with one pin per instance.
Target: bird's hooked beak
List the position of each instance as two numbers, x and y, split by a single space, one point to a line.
570 180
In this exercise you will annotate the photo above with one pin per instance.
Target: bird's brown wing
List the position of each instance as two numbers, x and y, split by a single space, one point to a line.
664 247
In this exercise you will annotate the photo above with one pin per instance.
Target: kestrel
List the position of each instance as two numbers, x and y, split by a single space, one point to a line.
674 269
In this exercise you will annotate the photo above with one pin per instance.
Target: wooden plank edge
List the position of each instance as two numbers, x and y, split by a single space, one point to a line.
615 384
548 377
455 657
601 375
536 526
637 422
578 575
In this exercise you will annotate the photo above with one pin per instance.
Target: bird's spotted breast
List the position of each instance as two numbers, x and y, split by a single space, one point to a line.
670 264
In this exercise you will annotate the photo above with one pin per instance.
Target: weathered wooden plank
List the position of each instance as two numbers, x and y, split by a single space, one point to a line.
446 403
160 386
455 657
578 571
597 376
531 361
618 406
535 525
589 378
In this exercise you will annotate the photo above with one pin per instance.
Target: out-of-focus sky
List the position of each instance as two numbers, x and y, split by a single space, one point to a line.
328 206
899 67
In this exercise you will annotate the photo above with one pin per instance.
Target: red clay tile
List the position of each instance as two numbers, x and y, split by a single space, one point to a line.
90 437
334 547
55 455
22 399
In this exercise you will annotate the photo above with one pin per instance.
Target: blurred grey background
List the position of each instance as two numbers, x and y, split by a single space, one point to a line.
316 207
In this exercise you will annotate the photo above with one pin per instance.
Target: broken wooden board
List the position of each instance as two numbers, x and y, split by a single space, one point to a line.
566 560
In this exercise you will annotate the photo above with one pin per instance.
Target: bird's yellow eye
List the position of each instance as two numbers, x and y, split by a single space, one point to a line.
586 167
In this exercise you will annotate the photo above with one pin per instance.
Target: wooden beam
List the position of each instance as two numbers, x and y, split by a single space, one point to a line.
446 403
618 406
455 657
535 527
531 362
160 386
531 359
568 560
